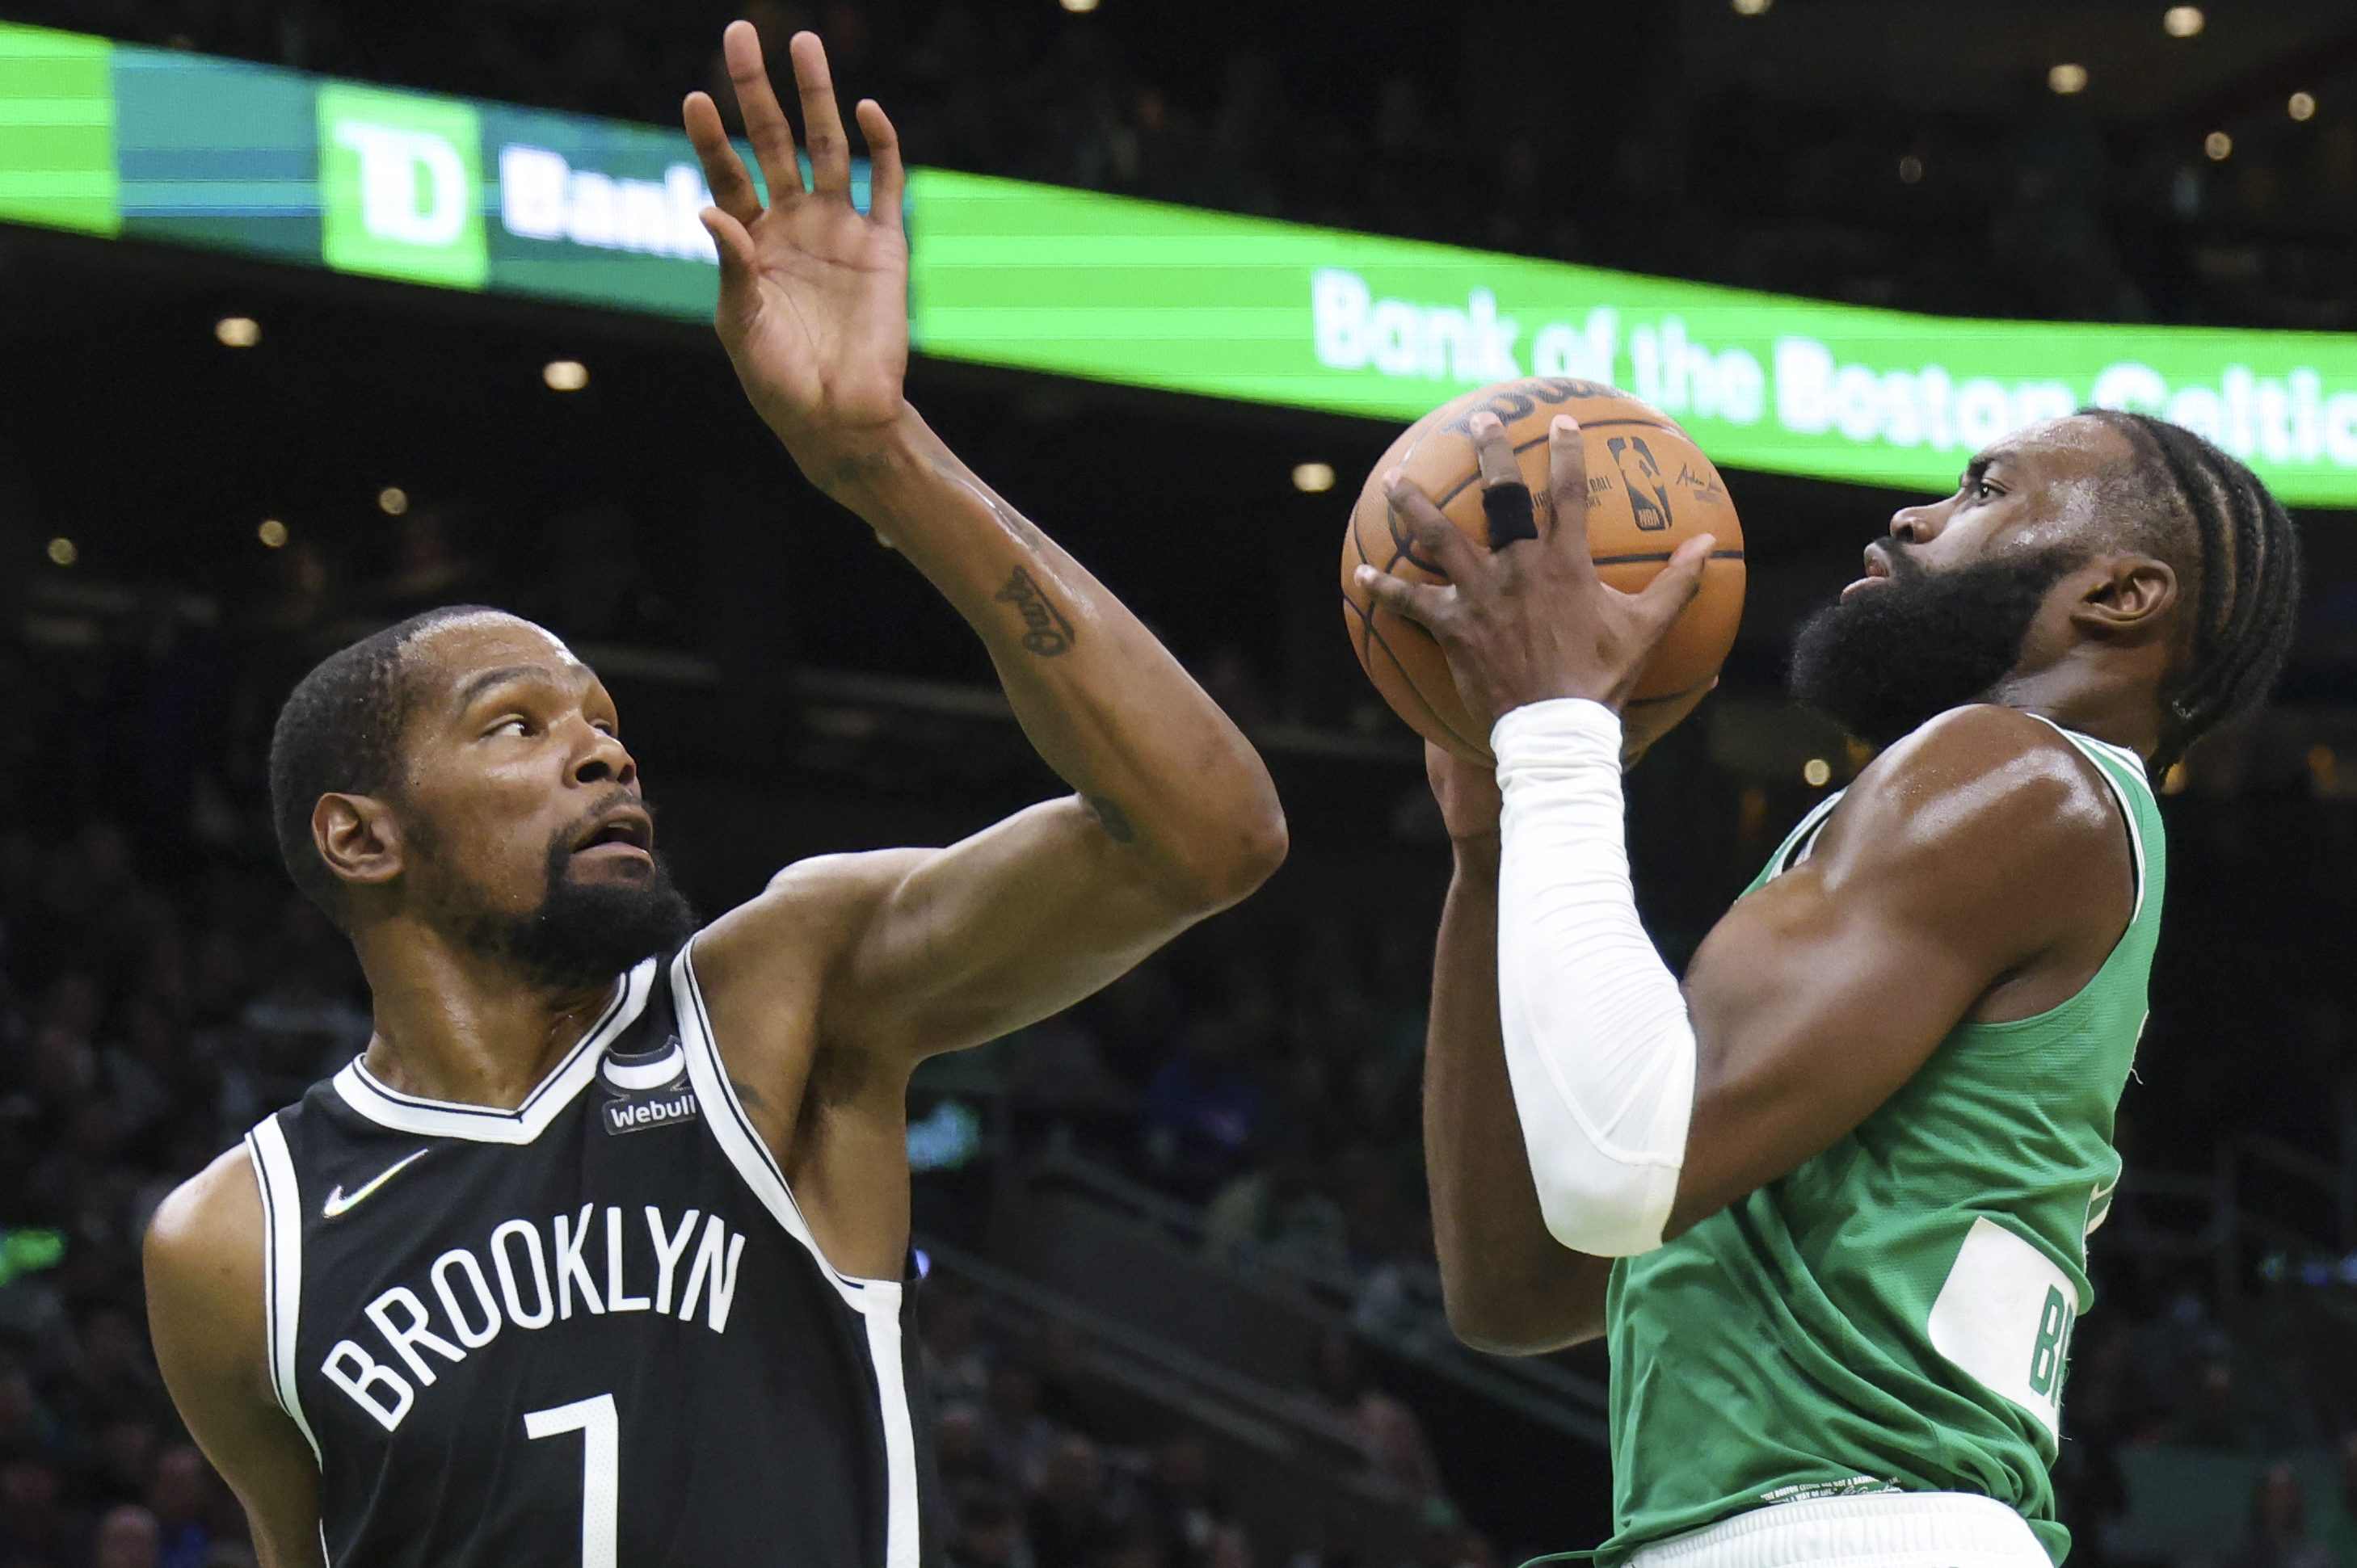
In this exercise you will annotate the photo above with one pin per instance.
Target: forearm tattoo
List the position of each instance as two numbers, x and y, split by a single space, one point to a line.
1046 632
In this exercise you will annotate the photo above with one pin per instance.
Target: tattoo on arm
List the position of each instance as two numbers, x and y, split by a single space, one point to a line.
1111 817
746 1095
1046 632
851 470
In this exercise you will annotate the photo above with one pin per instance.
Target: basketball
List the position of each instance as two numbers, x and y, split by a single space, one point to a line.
1650 489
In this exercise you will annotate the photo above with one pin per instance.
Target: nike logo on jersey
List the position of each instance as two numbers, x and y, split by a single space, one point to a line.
337 1203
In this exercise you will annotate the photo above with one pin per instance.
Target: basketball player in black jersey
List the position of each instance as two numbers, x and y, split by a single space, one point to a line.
596 1255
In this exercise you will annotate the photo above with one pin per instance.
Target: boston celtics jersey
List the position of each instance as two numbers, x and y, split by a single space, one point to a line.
1896 1313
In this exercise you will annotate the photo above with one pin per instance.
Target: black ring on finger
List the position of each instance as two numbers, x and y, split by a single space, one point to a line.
1513 519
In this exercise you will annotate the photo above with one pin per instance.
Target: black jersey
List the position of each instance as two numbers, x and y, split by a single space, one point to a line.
592 1330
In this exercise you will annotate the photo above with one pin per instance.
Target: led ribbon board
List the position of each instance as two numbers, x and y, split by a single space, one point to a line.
147 144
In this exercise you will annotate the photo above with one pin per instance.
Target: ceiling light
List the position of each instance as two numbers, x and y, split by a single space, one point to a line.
238 331
1816 772
63 550
2219 145
2067 78
2303 106
1311 478
272 533
1911 169
2182 21
565 375
1077 6
1751 7
393 500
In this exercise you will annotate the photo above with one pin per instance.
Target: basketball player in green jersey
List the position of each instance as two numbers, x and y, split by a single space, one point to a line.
1829 1199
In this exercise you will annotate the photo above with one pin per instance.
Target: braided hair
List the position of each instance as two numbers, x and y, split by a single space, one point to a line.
2245 564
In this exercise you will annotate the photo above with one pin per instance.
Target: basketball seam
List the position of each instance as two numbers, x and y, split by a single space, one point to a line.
1407 683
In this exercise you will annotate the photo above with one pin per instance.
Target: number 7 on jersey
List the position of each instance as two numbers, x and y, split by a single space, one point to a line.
601 1470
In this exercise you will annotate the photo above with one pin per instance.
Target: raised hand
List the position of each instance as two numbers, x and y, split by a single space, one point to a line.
813 294
1531 619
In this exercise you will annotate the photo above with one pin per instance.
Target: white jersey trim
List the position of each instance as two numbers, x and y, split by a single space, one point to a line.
876 1301
281 1263
388 1107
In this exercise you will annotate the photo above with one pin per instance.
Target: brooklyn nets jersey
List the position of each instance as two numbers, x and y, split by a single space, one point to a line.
592 1330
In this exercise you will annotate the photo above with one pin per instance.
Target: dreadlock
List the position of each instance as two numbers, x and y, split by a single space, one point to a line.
2247 568
339 733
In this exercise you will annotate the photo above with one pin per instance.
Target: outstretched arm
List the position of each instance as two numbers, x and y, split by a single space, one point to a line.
1172 815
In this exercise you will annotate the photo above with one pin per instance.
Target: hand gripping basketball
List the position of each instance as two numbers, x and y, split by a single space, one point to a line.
1531 619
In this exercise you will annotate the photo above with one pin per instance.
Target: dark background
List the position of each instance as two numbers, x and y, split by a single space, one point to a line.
790 688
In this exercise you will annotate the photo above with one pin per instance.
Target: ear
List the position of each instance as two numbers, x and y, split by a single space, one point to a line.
358 838
2126 597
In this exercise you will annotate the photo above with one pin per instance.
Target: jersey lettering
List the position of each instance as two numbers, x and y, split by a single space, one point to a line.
1993 1316
357 1372
471 1315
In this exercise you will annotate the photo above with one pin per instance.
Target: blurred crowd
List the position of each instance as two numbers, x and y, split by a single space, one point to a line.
2032 211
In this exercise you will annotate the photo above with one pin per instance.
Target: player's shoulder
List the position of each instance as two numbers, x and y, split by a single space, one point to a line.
807 915
1998 786
211 1220
203 1262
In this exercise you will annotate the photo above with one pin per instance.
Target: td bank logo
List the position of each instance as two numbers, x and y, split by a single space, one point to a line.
401 187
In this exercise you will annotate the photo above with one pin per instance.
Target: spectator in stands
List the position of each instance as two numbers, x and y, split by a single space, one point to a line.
1019 1437
2216 1417
955 1368
1203 1108
1386 1430
1275 1217
181 1497
1068 1522
989 1535
2277 1532
127 1538
1178 1503
962 1448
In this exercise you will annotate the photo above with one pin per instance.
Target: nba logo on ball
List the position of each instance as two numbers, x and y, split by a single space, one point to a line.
648 1088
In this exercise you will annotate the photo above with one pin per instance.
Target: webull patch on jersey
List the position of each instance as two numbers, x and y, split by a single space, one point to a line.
647 1088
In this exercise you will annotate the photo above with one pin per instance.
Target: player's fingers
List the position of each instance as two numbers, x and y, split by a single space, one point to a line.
1563 518
887 182
1505 497
1436 539
756 100
1422 603
822 134
739 262
1667 596
724 171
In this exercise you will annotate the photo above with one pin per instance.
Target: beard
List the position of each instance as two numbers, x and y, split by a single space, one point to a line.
582 933
1895 657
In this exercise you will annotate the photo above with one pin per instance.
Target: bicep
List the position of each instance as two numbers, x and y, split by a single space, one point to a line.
1001 930
1809 1010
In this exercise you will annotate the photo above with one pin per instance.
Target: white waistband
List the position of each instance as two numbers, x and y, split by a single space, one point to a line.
1876 1530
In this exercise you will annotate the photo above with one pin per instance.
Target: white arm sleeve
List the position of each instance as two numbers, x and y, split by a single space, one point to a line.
1598 1046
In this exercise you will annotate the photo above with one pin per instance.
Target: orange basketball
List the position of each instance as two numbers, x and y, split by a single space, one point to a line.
1650 489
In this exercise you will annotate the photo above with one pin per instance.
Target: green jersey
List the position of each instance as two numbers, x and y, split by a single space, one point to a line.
1896 1313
